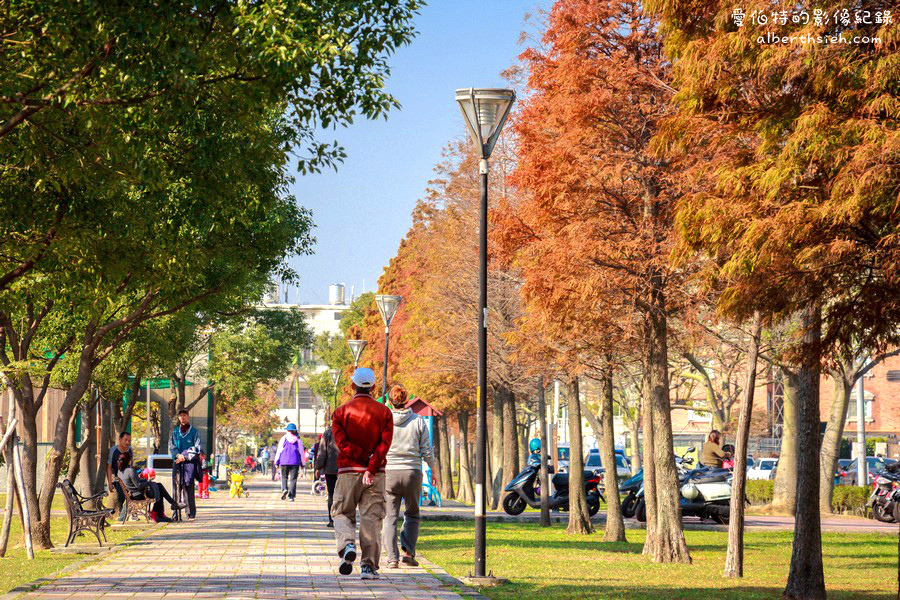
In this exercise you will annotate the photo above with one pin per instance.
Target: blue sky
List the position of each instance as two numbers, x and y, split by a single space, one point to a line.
362 211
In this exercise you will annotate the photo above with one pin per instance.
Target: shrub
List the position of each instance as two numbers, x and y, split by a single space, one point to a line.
850 499
760 491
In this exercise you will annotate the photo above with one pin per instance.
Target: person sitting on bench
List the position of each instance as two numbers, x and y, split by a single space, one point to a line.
141 488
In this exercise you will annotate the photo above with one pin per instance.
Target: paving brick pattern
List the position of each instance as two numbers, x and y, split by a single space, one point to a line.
244 548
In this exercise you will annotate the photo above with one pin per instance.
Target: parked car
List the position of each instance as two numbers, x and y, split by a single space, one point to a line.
763 469
874 465
593 461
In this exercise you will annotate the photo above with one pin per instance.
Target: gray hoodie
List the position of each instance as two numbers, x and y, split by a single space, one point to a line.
411 444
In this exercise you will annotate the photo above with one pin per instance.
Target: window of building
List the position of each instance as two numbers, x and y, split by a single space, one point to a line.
699 416
868 406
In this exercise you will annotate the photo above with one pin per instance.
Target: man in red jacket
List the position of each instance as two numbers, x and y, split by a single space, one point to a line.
362 430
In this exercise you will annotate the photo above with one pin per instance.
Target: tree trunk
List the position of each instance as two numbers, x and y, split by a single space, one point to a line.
510 436
669 544
497 428
88 451
734 558
523 447
784 497
806 578
579 518
39 534
649 472
105 444
615 525
466 491
594 422
634 434
446 468
10 498
72 451
545 471
834 432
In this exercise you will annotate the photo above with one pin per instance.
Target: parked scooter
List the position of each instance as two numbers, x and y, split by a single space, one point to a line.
522 491
633 487
705 492
885 498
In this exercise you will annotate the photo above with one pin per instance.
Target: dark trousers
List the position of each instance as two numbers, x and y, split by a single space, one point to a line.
289 479
330 481
120 500
187 489
159 495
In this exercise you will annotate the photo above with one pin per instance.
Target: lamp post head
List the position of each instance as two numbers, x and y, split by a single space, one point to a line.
335 376
356 349
485 111
387 306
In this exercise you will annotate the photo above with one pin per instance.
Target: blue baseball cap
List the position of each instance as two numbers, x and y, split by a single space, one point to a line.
291 427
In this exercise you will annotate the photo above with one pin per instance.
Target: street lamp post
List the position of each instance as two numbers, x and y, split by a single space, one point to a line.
485 112
335 379
356 348
387 306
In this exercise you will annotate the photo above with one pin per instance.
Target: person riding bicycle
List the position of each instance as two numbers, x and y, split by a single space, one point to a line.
403 478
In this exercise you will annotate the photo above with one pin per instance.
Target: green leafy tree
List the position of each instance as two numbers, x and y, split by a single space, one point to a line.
138 182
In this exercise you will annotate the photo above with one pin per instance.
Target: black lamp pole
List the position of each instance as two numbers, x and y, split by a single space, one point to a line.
481 436
485 111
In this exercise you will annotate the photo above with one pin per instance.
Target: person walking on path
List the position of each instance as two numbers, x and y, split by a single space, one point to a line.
273 448
290 456
362 430
403 478
185 448
264 459
112 469
327 464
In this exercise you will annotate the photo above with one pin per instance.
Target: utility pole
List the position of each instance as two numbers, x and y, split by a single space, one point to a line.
862 470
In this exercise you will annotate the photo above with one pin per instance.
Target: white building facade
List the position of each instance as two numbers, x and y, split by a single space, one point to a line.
297 403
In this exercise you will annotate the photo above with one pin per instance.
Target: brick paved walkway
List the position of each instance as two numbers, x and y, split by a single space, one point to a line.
257 547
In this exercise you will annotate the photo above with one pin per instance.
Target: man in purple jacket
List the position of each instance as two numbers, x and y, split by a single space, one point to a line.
290 456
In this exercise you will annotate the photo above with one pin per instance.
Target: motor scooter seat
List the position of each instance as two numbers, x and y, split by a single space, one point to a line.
561 480
711 476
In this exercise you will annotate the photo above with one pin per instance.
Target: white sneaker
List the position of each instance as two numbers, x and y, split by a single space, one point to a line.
367 572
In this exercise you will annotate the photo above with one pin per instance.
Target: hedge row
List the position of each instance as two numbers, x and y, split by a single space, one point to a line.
846 498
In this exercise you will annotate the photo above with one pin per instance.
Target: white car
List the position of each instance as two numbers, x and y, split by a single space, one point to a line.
763 469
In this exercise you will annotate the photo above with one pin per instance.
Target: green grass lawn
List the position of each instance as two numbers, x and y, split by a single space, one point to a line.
16 568
547 563
58 502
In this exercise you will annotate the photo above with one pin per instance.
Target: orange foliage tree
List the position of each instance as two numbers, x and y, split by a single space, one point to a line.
433 336
798 203
593 237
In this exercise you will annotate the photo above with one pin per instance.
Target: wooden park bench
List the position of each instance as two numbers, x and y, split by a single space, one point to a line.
85 513
136 508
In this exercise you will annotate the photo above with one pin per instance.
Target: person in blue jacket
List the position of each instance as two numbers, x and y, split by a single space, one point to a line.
185 448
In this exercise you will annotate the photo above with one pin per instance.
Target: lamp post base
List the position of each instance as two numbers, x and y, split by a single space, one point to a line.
486 581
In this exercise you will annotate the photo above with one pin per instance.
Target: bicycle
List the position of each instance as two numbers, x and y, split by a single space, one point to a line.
430 495
237 485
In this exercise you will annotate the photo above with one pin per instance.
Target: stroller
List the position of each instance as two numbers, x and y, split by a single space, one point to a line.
181 486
